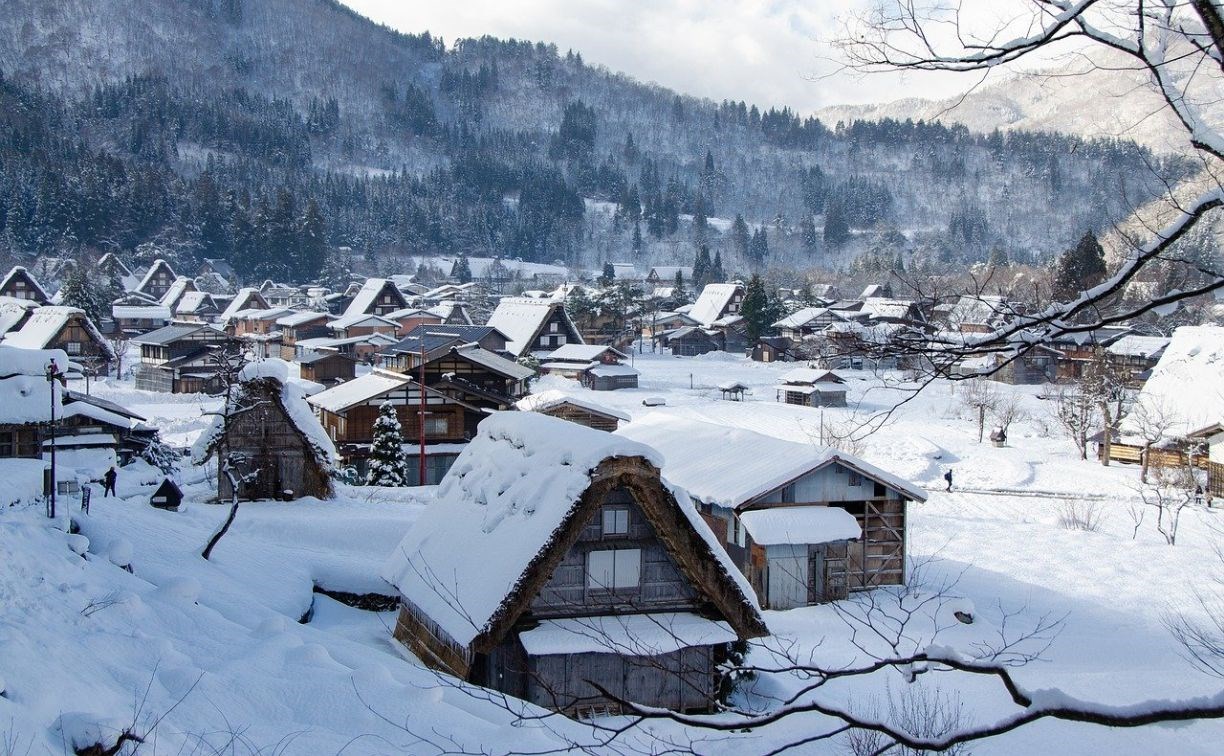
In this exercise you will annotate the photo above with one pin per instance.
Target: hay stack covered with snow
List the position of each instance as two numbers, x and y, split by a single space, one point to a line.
555 556
269 434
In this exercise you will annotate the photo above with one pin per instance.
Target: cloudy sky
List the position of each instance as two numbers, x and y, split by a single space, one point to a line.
768 52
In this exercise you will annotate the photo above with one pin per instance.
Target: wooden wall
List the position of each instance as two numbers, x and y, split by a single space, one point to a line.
583 417
683 680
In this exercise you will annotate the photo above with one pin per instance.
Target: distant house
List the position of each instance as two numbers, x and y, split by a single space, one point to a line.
1038 365
717 301
19 283
135 314
575 409
594 574
1073 352
461 387
362 324
197 307
157 280
434 340
1136 355
219 268
666 274
176 291
773 349
452 313
599 368
811 387
271 437
534 326
177 359
804 523
66 328
246 299
299 326
810 321
411 317
377 296
876 290
692 341
327 368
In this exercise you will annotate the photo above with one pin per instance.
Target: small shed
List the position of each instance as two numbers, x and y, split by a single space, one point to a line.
811 387
167 496
806 553
573 408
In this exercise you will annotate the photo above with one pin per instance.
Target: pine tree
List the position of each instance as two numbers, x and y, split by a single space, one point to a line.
388 465
312 244
701 267
678 292
807 233
836 227
1080 268
609 274
741 237
717 274
463 270
77 292
637 238
755 309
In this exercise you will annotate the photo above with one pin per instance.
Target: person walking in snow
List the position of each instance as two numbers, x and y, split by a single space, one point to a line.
948 477
108 483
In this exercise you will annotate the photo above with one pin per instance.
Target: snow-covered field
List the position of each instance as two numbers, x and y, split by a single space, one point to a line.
211 656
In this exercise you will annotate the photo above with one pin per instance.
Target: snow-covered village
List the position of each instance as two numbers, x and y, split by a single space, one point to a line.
374 380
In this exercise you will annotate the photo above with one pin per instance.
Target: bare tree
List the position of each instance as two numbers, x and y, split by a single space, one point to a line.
1171 491
120 347
1106 385
1152 420
1202 640
1075 412
1177 45
1007 410
981 396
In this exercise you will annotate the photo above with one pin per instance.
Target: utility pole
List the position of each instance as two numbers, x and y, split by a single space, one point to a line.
53 374
421 413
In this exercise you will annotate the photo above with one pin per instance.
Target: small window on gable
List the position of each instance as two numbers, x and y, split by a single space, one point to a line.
788 493
855 479
554 326
615 521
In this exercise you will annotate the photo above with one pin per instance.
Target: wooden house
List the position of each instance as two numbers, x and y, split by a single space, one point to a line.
812 387
327 368
462 385
1038 365
362 324
1134 356
595 574
800 553
247 298
66 328
271 438
575 409
717 301
452 313
1072 352
434 340
665 275
197 307
134 314
219 269
1213 436
811 321
377 296
300 326
19 283
157 280
773 349
27 399
177 290
410 317
178 359
691 341
599 368
534 326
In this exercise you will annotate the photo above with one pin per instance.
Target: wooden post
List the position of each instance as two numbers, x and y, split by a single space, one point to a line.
421 415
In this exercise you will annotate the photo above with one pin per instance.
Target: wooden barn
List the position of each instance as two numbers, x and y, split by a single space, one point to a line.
585 569
272 438
18 283
66 328
534 326
799 553
573 408
157 280
177 359
327 368
377 296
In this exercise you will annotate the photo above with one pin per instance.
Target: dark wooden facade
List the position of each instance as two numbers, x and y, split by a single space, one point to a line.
678 571
20 284
582 415
328 368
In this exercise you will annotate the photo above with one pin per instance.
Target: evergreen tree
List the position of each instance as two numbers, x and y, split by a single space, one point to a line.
701 267
807 234
836 227
758 247
1080 267
755 309
998 257
609 274
388 464
77 292
678 291
741 237
311 245
463 270
637 238
717 274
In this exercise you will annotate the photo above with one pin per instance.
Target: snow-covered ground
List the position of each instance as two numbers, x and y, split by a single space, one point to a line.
212 656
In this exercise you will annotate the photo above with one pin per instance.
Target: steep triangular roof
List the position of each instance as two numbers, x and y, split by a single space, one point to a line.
522 319
20 273
158 265
514 503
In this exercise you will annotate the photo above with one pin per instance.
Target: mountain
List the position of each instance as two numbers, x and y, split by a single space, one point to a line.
266 132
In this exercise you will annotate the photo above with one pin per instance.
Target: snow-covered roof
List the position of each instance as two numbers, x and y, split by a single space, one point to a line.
800 318
293 393
361 319
25 393
13 311
367 296
881 308
243 301
811 376
668 272
521 318
18 270
157 265
709 462
713 300
611 371
626 634
1133 345
301 318
359 390
583 353
546 400
502 502
1186 389
45 323
446 310
495 362
194 301
140 312
800 525
176 291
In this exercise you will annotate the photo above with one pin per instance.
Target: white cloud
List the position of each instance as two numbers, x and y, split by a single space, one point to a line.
769 53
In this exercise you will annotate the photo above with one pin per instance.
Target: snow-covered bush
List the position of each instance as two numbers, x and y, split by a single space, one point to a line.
388 466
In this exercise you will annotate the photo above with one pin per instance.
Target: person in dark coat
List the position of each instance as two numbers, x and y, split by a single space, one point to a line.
948 477
108 483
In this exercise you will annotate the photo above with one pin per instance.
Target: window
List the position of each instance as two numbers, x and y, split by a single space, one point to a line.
437 426
615 521
8 444
554 326
855 479
613 569
788 493
73 347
